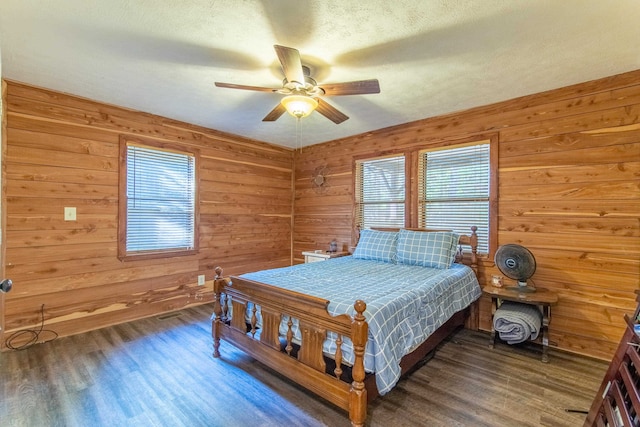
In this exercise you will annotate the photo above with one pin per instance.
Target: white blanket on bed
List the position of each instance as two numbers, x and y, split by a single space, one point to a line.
516 322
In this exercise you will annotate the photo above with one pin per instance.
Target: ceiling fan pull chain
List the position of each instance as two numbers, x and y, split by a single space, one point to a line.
298 135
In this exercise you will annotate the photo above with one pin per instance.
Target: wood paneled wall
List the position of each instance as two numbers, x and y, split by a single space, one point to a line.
569 190
569 174
62 151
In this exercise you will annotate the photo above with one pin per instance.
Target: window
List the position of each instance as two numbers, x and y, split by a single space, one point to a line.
158 200
455 190
380 192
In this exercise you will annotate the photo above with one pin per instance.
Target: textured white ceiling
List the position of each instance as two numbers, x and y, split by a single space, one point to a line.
431 56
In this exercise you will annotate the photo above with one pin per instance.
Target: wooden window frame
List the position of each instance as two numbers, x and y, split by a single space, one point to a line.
123 255
493 142
412 182
377 156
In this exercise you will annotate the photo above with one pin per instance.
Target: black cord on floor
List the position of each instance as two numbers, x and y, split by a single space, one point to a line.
35 335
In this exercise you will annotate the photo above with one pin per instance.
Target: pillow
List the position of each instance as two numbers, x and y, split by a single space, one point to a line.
436 249
377 245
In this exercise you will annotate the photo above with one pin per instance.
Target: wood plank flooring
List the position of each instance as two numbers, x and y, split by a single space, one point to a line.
159 372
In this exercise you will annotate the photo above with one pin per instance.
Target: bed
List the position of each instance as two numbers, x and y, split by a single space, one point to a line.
348 328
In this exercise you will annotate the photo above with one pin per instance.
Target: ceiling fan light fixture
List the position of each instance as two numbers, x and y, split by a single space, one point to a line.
299 106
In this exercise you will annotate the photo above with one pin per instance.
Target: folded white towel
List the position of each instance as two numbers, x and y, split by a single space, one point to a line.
517 322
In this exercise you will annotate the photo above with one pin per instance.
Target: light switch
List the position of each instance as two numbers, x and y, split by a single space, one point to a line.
69 214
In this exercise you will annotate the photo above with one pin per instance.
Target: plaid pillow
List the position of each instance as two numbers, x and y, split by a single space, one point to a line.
435 249
377 245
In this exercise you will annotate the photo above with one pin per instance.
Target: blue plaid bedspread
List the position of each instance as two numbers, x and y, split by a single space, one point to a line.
405 304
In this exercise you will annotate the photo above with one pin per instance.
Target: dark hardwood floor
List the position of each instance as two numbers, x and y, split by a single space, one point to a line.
159 372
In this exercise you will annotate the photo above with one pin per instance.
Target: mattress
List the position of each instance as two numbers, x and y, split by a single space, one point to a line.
405 303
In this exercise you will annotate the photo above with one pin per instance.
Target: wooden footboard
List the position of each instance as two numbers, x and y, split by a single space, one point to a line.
303 362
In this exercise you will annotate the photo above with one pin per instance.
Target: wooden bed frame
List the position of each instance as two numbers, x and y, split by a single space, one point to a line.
347 387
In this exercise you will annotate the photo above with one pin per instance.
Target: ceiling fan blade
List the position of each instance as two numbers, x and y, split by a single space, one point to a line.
291 63
245 87
352 88
331 112
275 113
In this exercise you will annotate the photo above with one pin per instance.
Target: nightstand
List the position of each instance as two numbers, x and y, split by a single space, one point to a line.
319 255
542 298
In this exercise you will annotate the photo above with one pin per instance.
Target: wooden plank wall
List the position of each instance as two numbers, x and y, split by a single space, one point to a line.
569 176
63 151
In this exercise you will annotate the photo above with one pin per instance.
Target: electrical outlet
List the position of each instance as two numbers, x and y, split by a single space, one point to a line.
69 214
201 280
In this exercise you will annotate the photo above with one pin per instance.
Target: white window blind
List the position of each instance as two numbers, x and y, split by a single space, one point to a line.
160 200
454 190
380 192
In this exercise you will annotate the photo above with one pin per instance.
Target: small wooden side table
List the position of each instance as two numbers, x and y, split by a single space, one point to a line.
542 298
321 255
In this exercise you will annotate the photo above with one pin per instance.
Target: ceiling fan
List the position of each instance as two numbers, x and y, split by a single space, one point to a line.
302 92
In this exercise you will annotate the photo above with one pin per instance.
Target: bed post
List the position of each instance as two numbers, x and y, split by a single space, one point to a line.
474 249
473 320
216 322
358 392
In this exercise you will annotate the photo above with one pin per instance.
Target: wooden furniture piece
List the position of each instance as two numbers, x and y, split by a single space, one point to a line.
617 402
345 386
316 256
542 298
